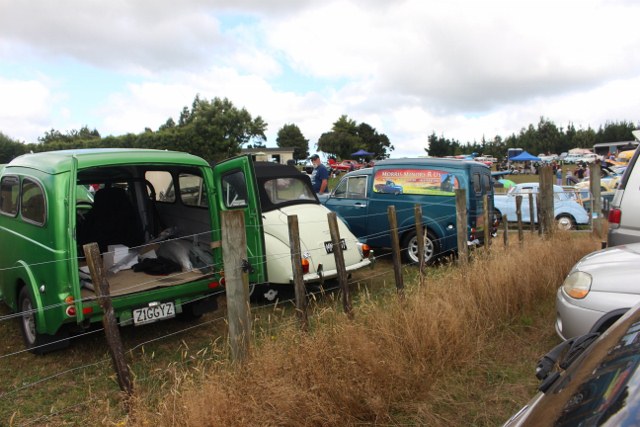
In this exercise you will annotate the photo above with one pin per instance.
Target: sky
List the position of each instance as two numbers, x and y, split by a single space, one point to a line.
462 69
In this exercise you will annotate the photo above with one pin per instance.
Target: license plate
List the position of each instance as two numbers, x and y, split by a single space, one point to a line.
152 314
328 246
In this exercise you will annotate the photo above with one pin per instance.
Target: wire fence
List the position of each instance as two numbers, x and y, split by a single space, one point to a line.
175 337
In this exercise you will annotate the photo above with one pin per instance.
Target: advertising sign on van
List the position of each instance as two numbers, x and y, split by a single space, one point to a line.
415 181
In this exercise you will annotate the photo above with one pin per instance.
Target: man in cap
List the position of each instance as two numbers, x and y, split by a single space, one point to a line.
319 176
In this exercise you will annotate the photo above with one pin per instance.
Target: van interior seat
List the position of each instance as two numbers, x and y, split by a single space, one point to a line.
111 220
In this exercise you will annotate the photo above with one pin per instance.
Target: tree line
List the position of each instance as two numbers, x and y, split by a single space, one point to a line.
216 129
545 138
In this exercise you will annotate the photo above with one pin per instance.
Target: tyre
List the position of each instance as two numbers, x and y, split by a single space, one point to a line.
497 217
565 222
410 247
35 342
195 310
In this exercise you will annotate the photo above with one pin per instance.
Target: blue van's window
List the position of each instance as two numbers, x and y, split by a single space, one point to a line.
9 190
486 184
477 188
32 205
415 181
352 187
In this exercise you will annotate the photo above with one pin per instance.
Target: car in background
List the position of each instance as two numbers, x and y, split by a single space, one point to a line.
599 289
624 221
284 191
347 166
591 380
566 210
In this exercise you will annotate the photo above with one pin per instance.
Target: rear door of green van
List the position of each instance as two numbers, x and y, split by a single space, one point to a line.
236 188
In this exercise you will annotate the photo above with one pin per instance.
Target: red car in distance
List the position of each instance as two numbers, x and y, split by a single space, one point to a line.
346 166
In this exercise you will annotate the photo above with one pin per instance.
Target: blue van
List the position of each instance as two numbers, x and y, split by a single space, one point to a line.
361 199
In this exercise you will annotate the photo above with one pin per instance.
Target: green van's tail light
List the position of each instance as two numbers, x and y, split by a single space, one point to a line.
472 236
305 265
214 284
614 216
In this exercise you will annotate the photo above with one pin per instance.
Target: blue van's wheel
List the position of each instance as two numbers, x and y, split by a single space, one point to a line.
410 247
35 342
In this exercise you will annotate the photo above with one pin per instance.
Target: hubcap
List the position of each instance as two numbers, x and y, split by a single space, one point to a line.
28 321
564 223
413 249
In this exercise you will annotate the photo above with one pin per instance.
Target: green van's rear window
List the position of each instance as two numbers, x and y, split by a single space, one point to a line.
9 191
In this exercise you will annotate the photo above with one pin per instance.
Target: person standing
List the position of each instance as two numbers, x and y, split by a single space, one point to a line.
319 176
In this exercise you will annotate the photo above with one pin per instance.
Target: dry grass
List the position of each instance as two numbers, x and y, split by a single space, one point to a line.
442 356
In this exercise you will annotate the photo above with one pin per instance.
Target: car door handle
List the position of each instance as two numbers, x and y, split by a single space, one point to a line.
360 205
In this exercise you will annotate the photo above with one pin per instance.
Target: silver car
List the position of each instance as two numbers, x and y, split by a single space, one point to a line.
599 289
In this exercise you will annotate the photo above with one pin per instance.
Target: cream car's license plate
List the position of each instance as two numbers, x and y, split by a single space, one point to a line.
328 246
154 313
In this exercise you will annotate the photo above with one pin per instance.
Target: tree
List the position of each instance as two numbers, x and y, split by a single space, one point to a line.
213 129
9 149
373 142
440 146
290 136
346 137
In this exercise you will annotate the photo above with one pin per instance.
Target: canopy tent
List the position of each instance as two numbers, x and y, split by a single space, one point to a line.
524 157
362 153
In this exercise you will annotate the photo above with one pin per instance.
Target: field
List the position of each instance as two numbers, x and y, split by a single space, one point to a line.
459 349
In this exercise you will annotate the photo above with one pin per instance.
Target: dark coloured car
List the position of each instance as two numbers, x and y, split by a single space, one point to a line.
362 197
590 380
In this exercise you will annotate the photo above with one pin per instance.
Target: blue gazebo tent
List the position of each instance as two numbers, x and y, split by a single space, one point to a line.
524 157
361 153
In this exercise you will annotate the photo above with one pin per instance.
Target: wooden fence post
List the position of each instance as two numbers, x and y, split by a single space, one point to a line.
485 217
101 285
296 266
340 266
234 257
547 197
519 217
461 225
594 184
505 235
532 223
420 231
539 214
395 249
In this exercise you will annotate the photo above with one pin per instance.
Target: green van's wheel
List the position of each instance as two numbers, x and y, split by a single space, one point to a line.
35 342
410 247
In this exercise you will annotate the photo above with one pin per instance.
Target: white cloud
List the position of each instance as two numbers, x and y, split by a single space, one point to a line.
461 68
26 106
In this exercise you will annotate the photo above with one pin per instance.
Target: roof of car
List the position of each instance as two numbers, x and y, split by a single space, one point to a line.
275 170
61 161
431 161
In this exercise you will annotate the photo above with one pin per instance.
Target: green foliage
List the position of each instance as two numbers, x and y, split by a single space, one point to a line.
347 137
546 137
291 136
10 149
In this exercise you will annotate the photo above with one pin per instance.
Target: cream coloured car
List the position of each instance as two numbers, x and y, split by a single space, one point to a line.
285 191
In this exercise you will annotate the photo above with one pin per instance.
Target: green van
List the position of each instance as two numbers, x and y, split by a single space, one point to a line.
155 216
362 197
